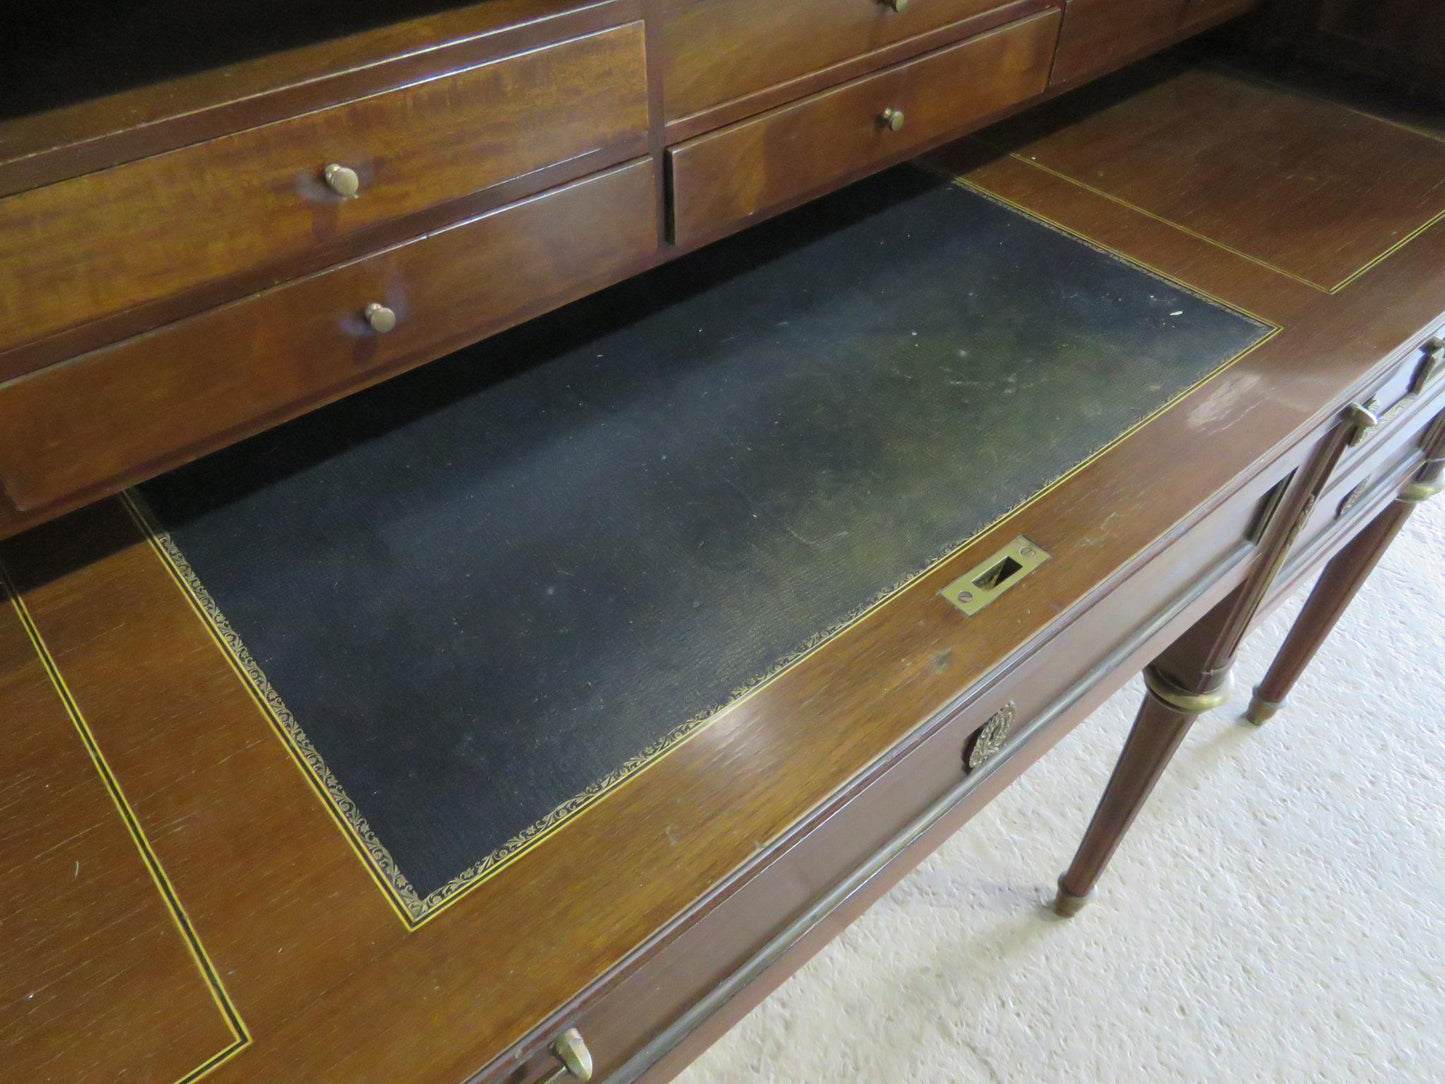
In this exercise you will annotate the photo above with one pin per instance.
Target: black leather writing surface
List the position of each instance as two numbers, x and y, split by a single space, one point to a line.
492 588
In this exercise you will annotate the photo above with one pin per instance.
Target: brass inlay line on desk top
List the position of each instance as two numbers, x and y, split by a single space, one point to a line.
1224 246
241 1037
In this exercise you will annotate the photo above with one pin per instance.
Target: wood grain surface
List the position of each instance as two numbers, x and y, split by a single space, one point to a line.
717 50
1283 172
96 244
722 179
201 382
331 985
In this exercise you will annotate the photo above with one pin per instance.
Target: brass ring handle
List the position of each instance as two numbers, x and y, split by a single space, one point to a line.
576 1059
892 119
381 318
342 180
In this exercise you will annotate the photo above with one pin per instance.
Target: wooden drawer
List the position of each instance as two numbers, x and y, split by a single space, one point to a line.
1395 398
1372 471
714 51
100 243
721 179
129 410
1099 35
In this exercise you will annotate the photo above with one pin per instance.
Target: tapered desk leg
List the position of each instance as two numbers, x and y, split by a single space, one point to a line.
1163 720
1191 676
1331 596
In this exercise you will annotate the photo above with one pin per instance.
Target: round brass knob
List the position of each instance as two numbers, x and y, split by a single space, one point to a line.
892 119
342 180
576 1059
896 5
381 318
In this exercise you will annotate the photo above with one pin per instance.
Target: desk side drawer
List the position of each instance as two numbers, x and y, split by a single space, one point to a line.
714 51
101 243
129 410
1100 35
721 179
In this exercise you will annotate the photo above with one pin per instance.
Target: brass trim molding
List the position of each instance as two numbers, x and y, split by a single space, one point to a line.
1420 492
1163 688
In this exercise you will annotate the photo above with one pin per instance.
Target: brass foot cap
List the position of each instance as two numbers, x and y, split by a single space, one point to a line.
1066 904
1261 710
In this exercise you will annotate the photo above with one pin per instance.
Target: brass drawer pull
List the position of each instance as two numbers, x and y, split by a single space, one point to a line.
576 1059
1432 355
342 180
892 119
1363 418
897 5
381 318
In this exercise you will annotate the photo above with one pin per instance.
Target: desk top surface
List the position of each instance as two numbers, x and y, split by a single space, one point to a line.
482 596
150 799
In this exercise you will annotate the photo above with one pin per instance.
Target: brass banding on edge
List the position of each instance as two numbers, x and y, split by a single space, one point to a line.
1162 688
1420 492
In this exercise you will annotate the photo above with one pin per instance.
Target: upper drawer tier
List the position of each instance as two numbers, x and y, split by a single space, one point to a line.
717 50
124 412
722 179
104 242
1099 35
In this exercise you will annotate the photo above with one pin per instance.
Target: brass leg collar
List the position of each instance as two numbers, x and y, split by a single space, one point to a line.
1261 710
1163 688
1420 492
1066 904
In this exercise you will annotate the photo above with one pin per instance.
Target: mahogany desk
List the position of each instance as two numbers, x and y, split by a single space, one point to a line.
190 904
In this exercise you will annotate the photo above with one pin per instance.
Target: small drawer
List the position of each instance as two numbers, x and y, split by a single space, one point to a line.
1375 470
721 179
132 409
1420 374
1100 35
715 51
104 242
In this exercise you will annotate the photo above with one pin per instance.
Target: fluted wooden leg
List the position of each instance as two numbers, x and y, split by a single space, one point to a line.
1343 577
1163 720
1191 676
1331 596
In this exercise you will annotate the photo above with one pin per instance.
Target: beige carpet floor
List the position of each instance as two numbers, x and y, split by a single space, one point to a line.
1277 914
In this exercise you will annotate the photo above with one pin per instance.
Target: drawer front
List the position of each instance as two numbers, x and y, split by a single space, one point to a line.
721 179
717 50
1420 374
129 410
1374 471
1099 35
103 242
